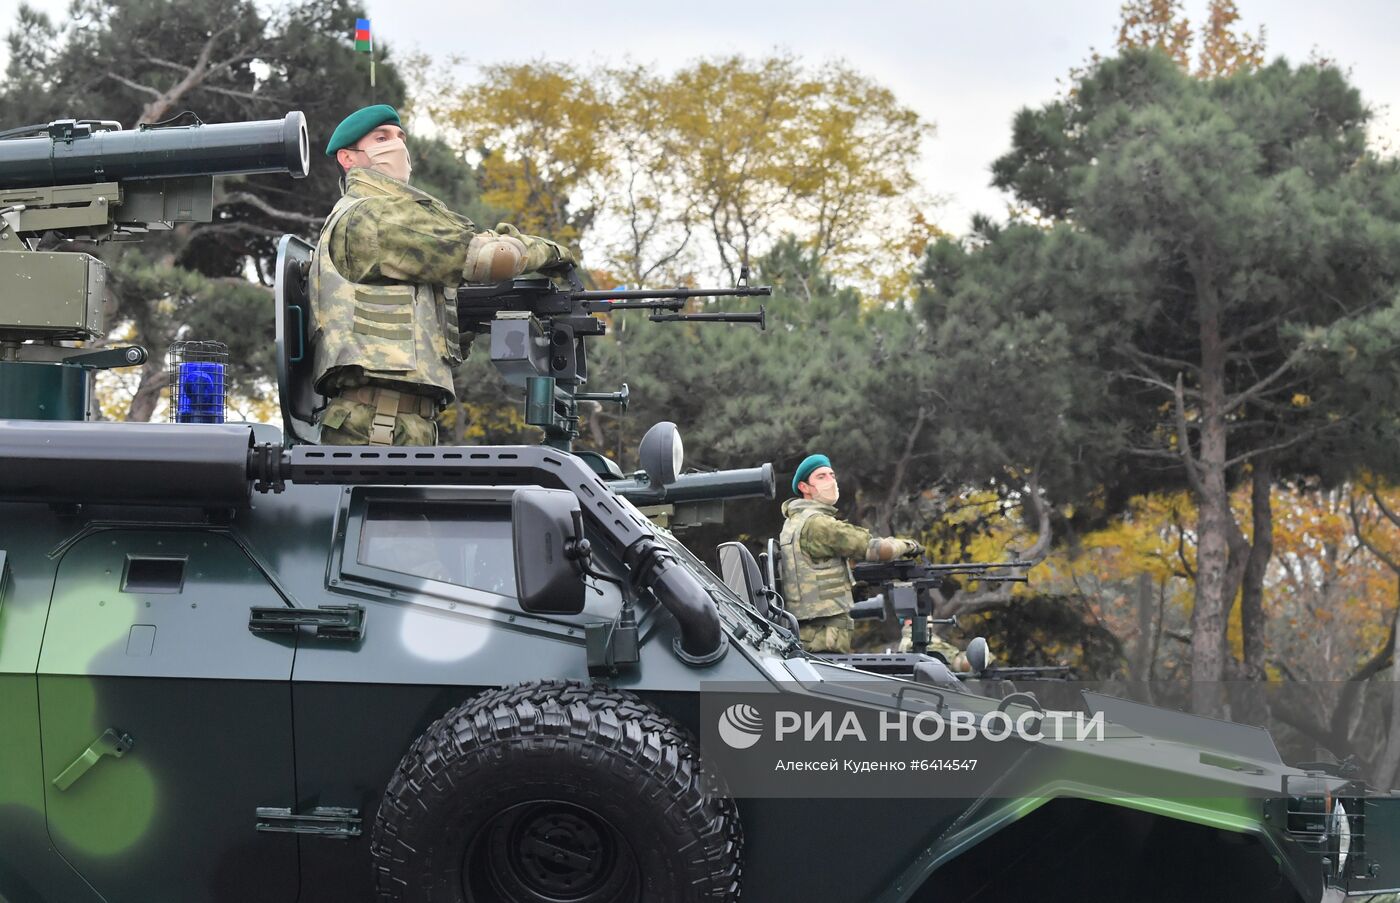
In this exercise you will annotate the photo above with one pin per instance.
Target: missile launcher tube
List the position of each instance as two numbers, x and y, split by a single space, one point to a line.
269 145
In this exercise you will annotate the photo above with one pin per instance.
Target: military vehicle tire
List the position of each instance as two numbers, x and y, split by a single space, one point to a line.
555 792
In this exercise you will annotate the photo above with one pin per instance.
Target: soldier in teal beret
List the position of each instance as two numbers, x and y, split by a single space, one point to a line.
816 547
385 341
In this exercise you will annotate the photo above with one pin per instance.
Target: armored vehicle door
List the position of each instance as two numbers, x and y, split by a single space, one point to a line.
294 329
165 722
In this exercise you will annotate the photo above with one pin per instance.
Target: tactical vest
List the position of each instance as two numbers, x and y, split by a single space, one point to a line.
402 336
812 589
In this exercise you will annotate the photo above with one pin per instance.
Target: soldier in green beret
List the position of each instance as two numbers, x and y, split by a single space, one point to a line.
816 546
385 338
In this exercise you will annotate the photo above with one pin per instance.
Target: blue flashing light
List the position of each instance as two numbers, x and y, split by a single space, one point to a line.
201 392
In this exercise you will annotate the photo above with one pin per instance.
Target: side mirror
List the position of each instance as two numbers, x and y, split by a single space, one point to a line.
977 655
662 454
547 538
740 572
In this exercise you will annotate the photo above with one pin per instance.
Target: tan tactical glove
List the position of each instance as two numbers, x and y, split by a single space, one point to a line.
888 548
492 258
541 254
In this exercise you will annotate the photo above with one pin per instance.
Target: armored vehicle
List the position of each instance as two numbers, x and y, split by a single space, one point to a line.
236 665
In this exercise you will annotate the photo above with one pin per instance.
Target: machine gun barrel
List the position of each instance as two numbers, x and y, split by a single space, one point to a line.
618 299
76 153
918 572
1023 672
542 298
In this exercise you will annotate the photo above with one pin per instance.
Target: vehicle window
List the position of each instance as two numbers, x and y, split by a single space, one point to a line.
465 544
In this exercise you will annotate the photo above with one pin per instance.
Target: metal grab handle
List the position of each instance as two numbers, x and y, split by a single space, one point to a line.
113 743
301 334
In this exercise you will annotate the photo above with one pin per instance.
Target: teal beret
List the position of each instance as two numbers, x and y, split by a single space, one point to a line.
359 124
809 464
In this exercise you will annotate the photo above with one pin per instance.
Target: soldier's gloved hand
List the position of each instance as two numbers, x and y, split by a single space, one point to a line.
908 548
492 257
541 254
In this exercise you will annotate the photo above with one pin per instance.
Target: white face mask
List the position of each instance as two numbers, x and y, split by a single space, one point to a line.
827 493
390 158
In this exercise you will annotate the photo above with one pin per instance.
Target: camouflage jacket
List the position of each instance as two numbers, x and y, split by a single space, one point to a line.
815 546
384 259
825 535
401 234
392 334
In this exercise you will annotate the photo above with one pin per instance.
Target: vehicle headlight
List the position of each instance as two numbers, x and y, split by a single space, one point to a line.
1341 829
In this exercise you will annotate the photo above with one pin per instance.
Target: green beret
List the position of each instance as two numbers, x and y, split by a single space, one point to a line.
359 124
809 464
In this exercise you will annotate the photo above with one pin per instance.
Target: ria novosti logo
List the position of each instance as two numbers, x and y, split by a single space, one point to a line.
740 725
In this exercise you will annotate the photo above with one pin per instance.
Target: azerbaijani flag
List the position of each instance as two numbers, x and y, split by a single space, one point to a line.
363 42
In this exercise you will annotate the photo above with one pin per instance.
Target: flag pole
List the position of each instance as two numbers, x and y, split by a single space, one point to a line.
364 43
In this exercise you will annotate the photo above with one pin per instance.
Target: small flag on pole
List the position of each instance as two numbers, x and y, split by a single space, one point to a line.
364 43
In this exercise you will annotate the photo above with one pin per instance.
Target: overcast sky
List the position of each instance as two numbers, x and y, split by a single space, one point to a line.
965 67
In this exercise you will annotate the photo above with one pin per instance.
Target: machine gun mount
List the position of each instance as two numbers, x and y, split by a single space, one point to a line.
905 589
538 329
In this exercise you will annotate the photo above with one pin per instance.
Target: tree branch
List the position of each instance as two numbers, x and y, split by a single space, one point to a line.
1380 503
901 467
247 228
1303 721
1155 382
1369 546
1183 440
1181 546
1254 390
965 603
252 200
1041 547
1146 357
1252 330
1382 657
242 95
1155 453
135 86
1280 446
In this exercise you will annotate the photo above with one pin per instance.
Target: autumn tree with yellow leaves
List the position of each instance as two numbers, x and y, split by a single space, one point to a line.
1162 25
666 177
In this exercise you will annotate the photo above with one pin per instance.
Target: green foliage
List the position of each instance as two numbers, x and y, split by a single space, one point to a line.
1212 267
1252 194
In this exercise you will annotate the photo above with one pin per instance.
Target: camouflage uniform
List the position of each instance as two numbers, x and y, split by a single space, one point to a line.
957 659
815 546
385 338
